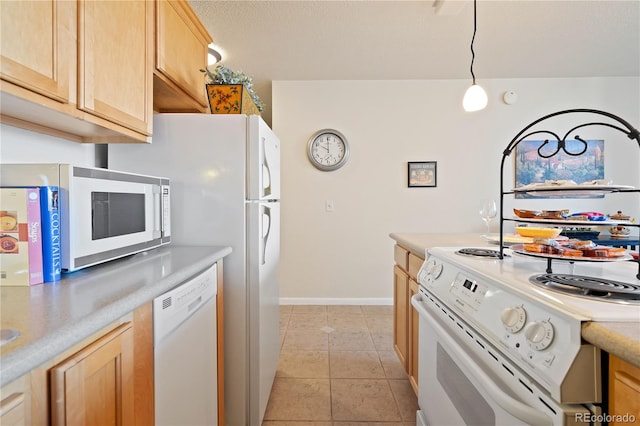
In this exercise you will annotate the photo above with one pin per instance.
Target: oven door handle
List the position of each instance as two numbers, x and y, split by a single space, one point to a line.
514 407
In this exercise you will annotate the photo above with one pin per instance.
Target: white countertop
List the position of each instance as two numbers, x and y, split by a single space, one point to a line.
620 339
418 243
52 317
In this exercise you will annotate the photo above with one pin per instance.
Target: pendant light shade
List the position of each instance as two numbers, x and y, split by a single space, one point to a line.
475 97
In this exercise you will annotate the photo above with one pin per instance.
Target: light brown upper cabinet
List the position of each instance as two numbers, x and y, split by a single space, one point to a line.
181 51
81 70
114 62
38 43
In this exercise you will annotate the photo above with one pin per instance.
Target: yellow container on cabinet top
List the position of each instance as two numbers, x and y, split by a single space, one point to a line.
230 99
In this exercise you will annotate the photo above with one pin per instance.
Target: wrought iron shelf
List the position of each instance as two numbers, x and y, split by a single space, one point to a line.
612 122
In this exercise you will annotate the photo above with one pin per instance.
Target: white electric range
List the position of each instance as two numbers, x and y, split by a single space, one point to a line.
496 348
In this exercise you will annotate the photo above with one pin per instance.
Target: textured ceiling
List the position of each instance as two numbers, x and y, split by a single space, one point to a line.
397 40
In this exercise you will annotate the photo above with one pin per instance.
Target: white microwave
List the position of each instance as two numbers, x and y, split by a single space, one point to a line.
105 214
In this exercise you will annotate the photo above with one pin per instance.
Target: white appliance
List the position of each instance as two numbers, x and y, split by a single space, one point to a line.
185 362
496 348
105 214
225 177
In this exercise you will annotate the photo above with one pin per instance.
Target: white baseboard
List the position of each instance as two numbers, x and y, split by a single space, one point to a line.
335 301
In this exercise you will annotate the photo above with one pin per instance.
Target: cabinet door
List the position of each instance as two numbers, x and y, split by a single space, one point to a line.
414 320
95 385
400 305
37 42
624 391
115 62
181 51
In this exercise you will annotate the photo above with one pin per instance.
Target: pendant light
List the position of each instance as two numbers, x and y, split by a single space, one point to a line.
475 98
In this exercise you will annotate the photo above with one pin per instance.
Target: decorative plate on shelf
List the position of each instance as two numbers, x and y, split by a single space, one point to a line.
519 249
569 190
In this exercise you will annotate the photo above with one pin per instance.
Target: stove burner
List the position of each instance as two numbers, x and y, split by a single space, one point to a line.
591 287
479 252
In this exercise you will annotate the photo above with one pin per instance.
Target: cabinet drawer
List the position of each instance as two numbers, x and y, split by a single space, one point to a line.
415 263
401 257
12 410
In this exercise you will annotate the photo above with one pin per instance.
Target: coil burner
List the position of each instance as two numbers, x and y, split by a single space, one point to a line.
479 252
591 287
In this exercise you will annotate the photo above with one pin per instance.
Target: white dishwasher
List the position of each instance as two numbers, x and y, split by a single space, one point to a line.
185 353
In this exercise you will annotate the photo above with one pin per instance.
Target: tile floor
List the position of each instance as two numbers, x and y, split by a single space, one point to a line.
338 368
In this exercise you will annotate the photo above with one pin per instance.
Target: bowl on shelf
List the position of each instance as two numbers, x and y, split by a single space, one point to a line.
580 233
619 231
526 214
554 214
537 232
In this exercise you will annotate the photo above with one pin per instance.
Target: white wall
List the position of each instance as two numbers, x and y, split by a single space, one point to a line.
24 146
346 256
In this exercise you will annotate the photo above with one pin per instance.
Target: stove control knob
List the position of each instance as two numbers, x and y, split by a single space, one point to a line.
514 318
424 275
539 334
436 271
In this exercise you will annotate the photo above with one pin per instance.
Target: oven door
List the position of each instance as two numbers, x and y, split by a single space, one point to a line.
456 389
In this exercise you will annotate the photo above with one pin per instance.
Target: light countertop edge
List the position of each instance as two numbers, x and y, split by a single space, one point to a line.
52 317
621 339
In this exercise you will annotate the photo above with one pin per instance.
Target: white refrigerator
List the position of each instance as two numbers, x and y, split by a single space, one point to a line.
225 183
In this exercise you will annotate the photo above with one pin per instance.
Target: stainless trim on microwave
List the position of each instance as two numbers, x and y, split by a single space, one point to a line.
81 262
116 176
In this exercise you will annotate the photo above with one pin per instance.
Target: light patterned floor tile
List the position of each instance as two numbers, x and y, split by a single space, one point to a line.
405 398
356 342
348 323
393 368
307 321
363 400
355 365
306 340
344 310
350 341
383 341
299 399
377 310
303 364
309 309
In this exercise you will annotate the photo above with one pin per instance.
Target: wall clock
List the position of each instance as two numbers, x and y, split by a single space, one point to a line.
328 150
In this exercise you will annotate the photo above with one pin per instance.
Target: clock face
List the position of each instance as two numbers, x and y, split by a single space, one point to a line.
328 150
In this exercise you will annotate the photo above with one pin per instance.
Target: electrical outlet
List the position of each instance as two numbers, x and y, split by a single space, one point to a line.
329 205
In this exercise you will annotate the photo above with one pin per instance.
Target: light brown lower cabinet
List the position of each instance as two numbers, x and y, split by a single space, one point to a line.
106 379
400 305
13 410
624 392
95 385
405 317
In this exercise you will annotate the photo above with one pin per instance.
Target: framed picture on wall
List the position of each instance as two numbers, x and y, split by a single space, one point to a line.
422 174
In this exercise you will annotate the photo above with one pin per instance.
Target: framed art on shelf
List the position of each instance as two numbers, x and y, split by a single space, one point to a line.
531 167
422 174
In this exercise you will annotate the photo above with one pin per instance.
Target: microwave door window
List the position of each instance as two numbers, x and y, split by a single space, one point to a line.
116 213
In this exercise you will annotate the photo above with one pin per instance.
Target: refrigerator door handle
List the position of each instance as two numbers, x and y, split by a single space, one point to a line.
266 229
266 174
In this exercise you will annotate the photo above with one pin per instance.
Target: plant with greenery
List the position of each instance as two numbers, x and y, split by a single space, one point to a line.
225 75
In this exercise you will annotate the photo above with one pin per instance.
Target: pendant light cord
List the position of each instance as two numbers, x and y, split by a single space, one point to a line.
473 54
